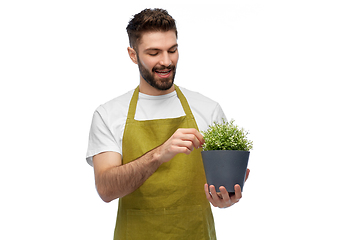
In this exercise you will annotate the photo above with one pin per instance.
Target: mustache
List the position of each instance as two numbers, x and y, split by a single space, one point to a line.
171 67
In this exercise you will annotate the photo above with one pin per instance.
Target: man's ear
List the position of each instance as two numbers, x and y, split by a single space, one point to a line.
132 55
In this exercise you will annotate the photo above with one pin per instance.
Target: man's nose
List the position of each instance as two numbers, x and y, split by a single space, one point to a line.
165 60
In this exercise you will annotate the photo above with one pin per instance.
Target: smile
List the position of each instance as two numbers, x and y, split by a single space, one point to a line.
163 73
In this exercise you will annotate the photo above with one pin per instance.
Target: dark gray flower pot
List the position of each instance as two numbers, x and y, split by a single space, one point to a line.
225 168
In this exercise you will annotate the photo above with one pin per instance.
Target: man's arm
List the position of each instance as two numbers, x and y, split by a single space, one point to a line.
114 180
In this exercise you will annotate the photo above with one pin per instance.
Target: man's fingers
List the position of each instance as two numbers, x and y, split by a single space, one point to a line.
192 134
209 195
224 194
214 195
247 174
222 199
184 140
199 137
206 189
238 193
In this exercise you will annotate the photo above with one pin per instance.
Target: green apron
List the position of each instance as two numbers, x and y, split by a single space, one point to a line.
171 204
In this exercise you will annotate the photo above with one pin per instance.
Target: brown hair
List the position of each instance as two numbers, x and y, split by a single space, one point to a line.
149 20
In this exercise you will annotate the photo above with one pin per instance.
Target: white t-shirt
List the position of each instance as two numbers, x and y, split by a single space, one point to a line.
107 128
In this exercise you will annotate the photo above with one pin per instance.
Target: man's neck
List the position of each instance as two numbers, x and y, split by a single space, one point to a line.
145 88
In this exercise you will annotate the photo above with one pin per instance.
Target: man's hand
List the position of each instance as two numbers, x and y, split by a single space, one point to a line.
223 199
184 140
114 180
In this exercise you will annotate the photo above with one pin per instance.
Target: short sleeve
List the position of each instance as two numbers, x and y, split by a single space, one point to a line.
101 138
218 115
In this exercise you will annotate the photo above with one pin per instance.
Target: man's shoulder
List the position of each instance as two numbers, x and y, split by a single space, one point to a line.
205 110
117 104
196 97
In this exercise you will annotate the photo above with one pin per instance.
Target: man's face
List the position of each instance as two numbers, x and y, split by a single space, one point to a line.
157 57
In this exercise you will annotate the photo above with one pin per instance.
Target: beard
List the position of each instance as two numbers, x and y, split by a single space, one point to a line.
150 77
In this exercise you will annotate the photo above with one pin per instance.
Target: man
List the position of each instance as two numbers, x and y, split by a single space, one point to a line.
145 145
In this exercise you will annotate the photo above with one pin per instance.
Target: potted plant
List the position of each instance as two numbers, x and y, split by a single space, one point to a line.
225 155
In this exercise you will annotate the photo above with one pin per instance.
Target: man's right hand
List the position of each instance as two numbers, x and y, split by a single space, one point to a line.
114 180
184 140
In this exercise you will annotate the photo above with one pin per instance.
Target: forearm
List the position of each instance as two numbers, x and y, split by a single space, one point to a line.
114 180
119 181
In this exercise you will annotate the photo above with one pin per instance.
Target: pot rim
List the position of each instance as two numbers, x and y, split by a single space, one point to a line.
224 150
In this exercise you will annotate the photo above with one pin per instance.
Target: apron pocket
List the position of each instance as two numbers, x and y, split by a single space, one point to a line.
166 223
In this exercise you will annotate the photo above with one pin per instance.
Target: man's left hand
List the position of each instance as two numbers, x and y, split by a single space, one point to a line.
223 199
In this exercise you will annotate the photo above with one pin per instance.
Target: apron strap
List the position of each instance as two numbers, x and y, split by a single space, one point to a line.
133 103
183 101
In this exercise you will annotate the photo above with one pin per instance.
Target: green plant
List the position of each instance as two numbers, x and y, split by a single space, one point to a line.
226 136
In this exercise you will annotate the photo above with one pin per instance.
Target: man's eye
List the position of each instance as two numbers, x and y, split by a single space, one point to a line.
153 54
173 51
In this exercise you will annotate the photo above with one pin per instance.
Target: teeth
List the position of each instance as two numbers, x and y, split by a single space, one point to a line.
163 73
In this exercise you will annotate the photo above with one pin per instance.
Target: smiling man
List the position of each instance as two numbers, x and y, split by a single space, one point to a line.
156 56
145 145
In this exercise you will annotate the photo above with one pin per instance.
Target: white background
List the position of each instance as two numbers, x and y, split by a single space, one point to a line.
279 68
